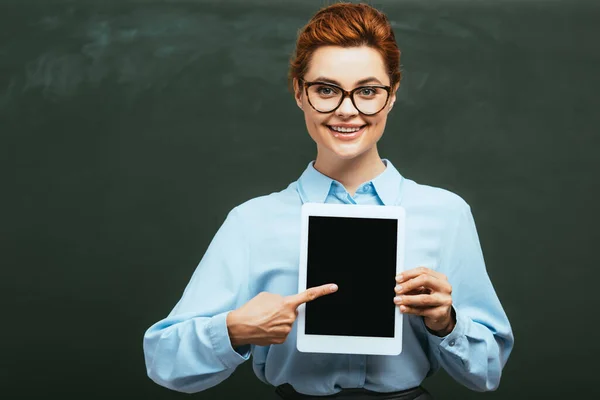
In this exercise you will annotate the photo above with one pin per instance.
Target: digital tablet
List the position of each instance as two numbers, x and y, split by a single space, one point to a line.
361 249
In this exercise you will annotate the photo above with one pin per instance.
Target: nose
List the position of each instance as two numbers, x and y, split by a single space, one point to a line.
346 108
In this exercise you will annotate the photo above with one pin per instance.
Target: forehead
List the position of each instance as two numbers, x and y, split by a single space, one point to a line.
347 64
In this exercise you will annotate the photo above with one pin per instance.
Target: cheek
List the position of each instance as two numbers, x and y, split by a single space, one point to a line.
313 120
312 126
378 124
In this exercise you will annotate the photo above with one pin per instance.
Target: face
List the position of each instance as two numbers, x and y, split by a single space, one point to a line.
346 67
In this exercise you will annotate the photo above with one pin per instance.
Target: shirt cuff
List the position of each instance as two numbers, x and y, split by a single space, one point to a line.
219 337
452 341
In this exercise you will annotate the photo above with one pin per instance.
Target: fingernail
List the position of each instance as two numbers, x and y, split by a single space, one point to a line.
398 287
399 277
397 299
333 288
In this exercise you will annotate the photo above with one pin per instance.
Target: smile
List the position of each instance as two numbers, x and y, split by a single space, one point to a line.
346 133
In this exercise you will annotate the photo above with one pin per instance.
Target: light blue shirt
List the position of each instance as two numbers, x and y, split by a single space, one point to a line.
257 249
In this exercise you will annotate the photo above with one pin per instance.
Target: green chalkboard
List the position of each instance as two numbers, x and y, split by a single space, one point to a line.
128 130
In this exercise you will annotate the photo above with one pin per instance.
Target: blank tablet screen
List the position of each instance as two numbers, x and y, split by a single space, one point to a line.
359 255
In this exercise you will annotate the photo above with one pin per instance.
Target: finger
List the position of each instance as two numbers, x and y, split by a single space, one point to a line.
426 281
311 294
422 311
435 313
413 273
438 274
422 300
419 290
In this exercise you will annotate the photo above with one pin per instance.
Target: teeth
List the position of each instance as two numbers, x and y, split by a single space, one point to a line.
345 130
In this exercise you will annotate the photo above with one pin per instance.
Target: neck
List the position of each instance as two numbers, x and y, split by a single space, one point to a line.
352 172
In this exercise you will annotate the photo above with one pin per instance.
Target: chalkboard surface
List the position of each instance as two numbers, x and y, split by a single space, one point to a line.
130 128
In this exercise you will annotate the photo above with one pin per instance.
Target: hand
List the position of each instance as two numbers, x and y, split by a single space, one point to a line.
422 291
268 318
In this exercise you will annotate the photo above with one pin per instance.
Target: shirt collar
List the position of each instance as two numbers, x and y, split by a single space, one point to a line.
314 187
388 184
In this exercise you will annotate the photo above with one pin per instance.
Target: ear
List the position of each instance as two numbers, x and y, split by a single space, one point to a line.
297 93
393 95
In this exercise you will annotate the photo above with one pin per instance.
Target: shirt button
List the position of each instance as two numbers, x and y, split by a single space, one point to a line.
452 343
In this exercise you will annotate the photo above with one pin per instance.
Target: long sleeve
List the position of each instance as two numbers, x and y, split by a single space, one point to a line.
478 347
190 350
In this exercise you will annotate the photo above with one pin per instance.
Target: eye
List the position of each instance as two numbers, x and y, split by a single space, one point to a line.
367 91
326 90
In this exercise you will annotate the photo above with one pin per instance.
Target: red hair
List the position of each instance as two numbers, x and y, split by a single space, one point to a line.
346 25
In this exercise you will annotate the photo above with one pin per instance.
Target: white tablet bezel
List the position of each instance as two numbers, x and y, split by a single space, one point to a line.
348 344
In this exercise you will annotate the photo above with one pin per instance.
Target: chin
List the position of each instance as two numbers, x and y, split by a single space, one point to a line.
350 150
337 149
348 155
347 152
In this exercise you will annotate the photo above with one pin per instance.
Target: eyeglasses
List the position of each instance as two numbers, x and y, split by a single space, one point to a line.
327 97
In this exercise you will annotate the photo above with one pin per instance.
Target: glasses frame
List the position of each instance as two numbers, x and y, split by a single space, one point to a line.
345 93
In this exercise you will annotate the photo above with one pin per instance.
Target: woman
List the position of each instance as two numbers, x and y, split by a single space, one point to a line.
242 298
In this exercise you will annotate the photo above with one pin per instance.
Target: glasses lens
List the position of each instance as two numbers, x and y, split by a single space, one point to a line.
368 99
323 97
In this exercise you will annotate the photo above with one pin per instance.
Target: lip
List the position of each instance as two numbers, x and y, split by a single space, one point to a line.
346 136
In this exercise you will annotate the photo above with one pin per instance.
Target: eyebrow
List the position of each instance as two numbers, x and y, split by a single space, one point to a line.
360 82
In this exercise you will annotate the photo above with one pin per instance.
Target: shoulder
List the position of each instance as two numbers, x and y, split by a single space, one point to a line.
271 205
418 195
436 209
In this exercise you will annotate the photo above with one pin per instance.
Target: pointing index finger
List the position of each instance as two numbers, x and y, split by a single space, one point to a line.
311 294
